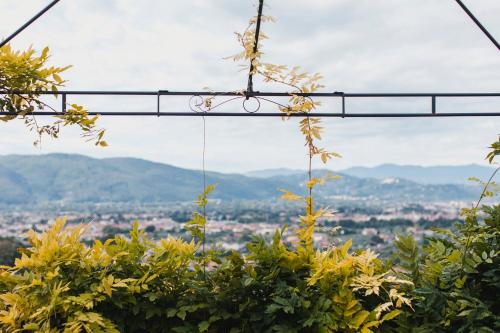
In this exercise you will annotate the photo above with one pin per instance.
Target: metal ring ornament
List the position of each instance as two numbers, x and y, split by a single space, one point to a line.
196 103
247 108
199 104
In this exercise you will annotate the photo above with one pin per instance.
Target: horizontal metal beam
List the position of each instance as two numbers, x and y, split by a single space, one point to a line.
265 96
255 93
275 114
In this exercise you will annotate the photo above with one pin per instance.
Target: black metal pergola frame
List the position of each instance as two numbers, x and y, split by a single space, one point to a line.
196 98
259 96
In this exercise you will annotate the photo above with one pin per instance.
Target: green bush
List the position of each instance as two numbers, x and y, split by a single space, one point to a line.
134 285
456 276
131 284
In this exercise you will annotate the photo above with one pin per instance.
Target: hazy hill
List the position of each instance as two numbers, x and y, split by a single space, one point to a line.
424 175
392 189
75 178
267 173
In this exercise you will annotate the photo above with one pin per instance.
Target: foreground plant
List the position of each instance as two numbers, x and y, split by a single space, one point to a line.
457 273
24 75
135 285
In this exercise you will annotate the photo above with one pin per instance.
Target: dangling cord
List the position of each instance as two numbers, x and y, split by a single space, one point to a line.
204 187
204 206
309 168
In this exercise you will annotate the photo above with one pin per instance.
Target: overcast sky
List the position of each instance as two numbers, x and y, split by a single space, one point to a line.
357 45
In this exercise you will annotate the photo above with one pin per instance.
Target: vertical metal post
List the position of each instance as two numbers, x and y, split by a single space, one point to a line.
158 104
433 105
343 106
63 103
255 48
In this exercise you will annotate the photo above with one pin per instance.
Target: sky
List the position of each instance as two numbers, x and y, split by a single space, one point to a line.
358 46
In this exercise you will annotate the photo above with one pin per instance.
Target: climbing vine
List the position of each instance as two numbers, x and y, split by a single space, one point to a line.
24 75
299 83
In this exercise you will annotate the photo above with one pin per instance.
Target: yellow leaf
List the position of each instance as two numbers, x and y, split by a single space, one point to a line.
289 196
57 78
45 52
391 315
359 318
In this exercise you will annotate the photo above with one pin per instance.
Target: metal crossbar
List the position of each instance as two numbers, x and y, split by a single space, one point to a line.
478 23
263 97
28 23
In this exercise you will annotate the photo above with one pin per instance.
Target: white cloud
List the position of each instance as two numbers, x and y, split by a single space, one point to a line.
370 46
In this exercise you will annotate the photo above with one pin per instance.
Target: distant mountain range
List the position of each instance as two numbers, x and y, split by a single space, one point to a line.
449 174
268 173
27 179
424 175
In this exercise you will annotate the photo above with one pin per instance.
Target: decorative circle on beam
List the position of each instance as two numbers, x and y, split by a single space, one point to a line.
198 103
249 107
250 104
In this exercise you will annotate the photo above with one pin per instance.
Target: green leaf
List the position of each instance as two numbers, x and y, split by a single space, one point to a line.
391 315
31 327
203 326
248 281
171 312
358 319
181 314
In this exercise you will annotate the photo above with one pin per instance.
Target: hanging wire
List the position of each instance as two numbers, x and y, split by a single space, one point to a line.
204 184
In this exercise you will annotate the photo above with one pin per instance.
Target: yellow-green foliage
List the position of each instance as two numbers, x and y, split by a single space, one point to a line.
29 73
59 283
336 269
132 284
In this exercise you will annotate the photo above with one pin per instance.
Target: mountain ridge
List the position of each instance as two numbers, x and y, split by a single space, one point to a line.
68 178
438 174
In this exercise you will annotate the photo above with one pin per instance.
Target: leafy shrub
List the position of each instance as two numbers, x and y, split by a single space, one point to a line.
457 277
135 285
